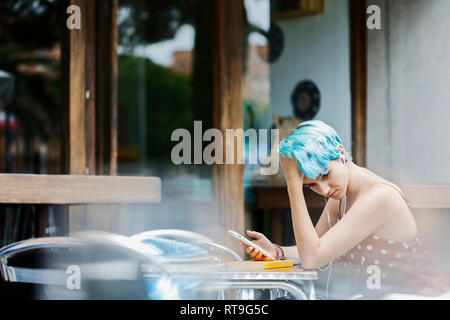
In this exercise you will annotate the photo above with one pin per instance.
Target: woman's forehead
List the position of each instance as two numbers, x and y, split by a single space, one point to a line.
308 181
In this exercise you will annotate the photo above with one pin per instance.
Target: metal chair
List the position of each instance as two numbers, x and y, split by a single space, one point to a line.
213 252
186 250
87 265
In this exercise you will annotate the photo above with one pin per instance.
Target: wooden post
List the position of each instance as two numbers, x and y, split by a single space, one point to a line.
227 113
358 79
113 78
79 80
74 80
101 8
91 92
83 84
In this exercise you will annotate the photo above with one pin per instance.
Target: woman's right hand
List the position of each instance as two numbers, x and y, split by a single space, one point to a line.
261 241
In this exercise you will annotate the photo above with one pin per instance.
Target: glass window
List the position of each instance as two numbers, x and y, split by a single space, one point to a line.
30 103
30 113
165 84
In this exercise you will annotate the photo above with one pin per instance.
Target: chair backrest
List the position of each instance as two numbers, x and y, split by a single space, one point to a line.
87 265
211 251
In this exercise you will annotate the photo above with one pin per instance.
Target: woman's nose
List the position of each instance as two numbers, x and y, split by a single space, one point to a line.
324 188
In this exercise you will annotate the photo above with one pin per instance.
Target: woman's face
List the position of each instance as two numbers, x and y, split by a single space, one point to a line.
333 184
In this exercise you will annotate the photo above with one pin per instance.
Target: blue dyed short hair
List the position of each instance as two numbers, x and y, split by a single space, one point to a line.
313 145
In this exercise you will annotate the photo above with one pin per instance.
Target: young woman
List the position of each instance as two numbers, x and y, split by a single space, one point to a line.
367 223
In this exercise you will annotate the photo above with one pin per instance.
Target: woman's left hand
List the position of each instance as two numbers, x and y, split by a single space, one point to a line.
262 242
291 170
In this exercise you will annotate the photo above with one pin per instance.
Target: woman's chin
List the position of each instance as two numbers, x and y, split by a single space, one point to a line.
336 195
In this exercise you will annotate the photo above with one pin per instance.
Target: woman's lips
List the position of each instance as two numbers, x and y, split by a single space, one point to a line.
331 195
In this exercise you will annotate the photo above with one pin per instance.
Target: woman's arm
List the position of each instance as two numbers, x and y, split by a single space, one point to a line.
322 226
365 216
306 238
291 252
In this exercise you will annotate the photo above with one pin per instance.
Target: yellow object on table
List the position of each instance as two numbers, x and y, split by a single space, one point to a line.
251 265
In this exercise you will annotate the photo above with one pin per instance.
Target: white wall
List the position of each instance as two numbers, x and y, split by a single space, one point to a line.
316 48
408 96
408 104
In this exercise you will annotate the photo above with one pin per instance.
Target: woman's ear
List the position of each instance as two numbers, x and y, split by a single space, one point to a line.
277 120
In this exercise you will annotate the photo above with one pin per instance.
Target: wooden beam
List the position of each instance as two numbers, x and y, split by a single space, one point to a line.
100 100
74 81
78 189
91 92
113 85
81 106
227 113
419 196
358 75
428 196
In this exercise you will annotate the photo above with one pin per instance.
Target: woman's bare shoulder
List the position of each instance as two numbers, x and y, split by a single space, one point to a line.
400 224
387 199
384 188
385 191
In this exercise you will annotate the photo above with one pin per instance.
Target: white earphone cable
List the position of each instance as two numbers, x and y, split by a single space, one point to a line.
330 264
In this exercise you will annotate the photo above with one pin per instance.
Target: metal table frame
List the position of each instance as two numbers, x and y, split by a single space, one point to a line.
299 283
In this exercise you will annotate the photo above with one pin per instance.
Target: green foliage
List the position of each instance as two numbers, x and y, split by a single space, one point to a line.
154 21
169 104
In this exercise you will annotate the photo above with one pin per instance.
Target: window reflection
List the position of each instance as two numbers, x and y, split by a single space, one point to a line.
30 52
30 104
165 83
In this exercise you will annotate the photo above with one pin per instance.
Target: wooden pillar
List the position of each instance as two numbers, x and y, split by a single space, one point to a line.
91 90
107 40
227 113
358 76
78 57
100 99
80 132
85 84
113 84
74 82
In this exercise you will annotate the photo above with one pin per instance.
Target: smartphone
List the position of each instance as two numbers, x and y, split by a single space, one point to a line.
236 235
